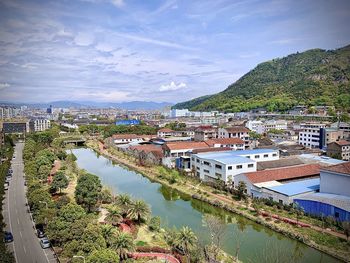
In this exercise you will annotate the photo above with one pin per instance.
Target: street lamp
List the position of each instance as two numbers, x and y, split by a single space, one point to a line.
80 257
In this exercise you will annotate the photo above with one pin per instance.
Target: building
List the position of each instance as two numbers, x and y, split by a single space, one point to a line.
257 180
256 126
127 122
309 136
339 149
176 113
204 133
130 138
16 127
236 132
182 148
9 112
147 154
165 132
49 110
334 196
39 124
328 135
275 125
343 126
226 165
231 143
286 193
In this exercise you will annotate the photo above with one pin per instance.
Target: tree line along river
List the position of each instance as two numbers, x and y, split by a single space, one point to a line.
256 243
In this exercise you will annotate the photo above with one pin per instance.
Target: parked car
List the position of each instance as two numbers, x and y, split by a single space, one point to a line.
8 237
40 232
45 243
6 186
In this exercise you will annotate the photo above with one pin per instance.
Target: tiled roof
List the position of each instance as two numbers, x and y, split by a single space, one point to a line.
165 130
185 145
225 141
283 173
343 143
237 129
343 168
146 148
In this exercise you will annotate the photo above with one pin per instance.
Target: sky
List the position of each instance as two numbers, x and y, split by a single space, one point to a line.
171 50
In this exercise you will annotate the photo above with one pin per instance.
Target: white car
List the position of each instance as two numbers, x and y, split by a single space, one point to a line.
45 243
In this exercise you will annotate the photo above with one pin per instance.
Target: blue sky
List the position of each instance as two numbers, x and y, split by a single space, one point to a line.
172 50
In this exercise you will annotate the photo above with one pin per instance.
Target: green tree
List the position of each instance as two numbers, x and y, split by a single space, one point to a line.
122 244
139 211
103 256
186 239
59 182
124 202
106 196
113 217
87 190
241 189
346 228
154 223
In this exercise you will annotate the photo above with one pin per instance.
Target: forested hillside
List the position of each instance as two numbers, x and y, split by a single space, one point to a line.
313 77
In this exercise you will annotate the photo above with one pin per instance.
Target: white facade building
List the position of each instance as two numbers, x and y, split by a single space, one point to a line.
257 126
226 165
310 135
175 113
39 124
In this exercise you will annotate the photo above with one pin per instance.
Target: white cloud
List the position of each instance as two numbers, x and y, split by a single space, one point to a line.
4 85
172 86
84 39
118 3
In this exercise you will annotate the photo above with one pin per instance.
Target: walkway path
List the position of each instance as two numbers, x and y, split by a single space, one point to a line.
167 257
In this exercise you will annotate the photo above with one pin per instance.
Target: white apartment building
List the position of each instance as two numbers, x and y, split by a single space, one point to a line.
39 124
175 113
257 126
226 165
309 136
236 132
275 125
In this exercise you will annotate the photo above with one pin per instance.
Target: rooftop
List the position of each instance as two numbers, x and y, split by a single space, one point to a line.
225 141
343 143
235 153
340 201
185 145
343 168
165 130
286 173
298 187
279 163
322 159
237 129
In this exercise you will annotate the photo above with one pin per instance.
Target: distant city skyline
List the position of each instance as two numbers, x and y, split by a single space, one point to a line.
124 50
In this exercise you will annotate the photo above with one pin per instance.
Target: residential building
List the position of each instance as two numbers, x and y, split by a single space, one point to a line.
9 112
147 154
236 132
165 132
256 126
309 136
256 180
334 196
182 148
343 126
328 135
204 133
176 113
39 124
339 149
231 143
275 125
15 127
131 138
226 165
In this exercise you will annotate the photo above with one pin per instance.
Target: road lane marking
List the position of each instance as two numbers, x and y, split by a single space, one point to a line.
17 221
24 248
13 243
20 233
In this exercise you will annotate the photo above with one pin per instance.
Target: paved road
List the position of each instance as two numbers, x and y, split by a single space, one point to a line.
26 245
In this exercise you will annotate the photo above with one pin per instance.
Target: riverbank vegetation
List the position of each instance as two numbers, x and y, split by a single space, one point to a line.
320 238
6 152
82 218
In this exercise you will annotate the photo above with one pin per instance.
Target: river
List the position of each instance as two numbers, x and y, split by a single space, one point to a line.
256 243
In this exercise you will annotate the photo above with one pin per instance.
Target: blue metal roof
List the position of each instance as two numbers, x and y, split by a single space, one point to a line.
231 154
233 160
296 188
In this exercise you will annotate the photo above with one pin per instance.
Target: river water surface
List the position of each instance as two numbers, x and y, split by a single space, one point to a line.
256 243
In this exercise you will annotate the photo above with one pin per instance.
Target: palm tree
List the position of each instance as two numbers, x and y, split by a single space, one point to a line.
124 202
139 210
108 232
114 217
186 239
123 243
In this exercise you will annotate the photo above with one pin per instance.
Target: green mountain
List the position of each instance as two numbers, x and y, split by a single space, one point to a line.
313 77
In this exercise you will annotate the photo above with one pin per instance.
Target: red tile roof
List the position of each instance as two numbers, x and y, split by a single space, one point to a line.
343 143
185 145
225 141
343 168
237 129
146 148
283 173
165 130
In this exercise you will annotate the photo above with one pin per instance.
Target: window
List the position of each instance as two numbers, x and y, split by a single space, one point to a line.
229 167
218 175
206 171
206 163
266 155
250 165
218 166
280 201
239 166
336 214
198 168
274 155
257 156
197 160
198 174
248 157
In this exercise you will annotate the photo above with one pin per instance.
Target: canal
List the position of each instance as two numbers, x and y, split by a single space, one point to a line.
256 243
